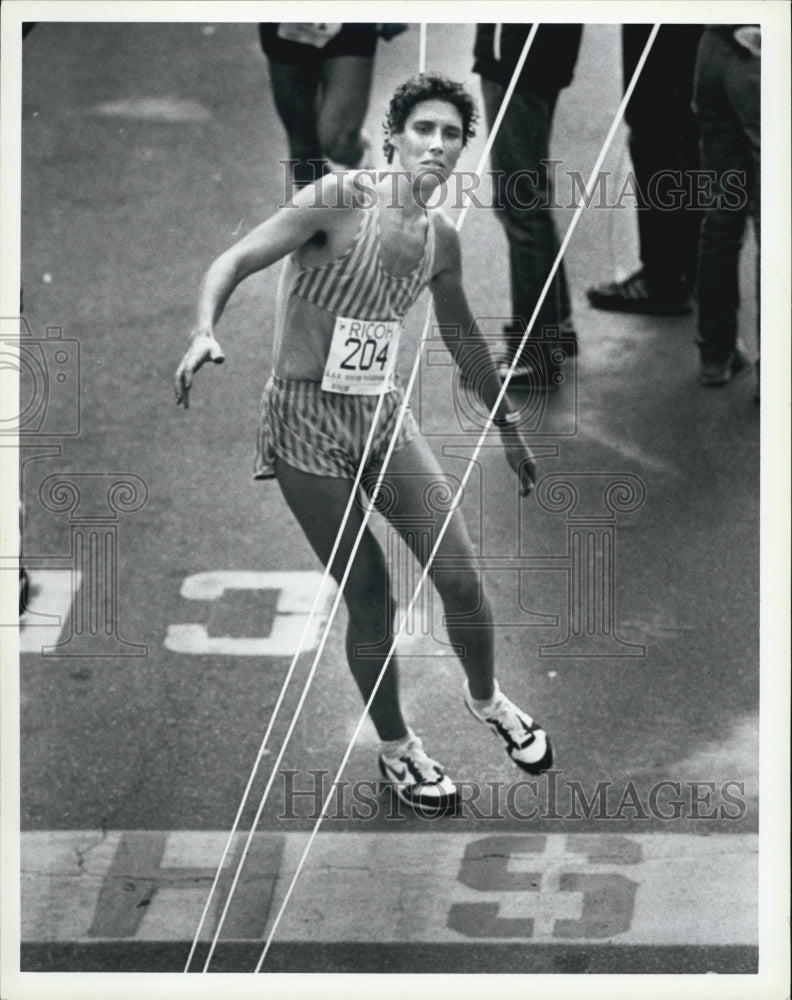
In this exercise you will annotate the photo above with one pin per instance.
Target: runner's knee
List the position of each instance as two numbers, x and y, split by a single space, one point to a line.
367 591
460 589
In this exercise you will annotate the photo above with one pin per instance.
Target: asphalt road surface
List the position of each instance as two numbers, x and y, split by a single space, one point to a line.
169 589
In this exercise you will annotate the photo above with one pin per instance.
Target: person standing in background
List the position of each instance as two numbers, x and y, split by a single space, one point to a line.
524 188
321 81
664 152
727 102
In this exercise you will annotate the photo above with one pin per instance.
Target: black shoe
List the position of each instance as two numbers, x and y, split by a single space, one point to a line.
531 375
566 339
715 373
633 296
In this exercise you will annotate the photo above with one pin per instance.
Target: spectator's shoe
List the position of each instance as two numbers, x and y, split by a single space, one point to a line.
566 339
633 296
417 779
540 374
526 742
715 373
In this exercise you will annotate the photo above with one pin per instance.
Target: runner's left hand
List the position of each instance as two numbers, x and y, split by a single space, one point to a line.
520 458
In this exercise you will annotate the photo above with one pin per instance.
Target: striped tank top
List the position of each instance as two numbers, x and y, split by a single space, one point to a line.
355 284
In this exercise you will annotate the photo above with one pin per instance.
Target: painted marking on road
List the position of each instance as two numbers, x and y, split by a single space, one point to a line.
295 591
650 889
158 109
48 607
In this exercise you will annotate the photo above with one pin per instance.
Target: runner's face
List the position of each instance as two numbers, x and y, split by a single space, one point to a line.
432 139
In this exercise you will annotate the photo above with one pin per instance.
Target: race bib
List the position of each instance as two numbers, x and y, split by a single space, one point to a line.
317 35
362 356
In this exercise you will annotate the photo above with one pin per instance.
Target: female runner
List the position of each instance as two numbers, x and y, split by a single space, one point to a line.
351 273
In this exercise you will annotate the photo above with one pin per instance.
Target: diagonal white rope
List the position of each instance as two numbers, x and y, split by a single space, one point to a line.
562 249
286 681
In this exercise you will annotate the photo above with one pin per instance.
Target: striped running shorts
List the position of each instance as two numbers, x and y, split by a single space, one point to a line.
325 433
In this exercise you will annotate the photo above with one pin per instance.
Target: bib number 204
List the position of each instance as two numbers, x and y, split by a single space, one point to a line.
364 354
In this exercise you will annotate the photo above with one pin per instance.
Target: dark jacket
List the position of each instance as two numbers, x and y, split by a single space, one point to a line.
551 60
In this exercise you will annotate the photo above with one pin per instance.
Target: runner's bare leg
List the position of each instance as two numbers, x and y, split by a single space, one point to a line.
468 613
319 503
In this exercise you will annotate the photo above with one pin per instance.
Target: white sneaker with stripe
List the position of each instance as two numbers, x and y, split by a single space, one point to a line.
417 779
526 742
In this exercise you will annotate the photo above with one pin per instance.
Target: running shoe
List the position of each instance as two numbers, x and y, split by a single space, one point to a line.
526 742
417 779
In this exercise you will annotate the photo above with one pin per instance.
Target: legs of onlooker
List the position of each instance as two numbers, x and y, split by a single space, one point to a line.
346 85
727 102
323 108
295 90
664 152
523 196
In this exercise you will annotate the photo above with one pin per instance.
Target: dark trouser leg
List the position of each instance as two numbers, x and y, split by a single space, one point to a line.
664 150
296 89
524 194
727 102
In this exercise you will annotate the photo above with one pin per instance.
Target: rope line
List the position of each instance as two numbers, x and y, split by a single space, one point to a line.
287 680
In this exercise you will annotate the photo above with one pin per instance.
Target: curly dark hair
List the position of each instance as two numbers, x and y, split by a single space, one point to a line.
428 87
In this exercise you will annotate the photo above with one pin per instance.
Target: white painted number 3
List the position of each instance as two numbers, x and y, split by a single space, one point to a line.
296 594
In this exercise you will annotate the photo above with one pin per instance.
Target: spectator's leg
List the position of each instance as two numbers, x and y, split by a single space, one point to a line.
346 85
664 147
295 89
724 152
524 194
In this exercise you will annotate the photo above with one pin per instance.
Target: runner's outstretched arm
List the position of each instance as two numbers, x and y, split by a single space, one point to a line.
285 231
470 350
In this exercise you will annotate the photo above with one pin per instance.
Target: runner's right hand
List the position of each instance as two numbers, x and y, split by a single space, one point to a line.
203 348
